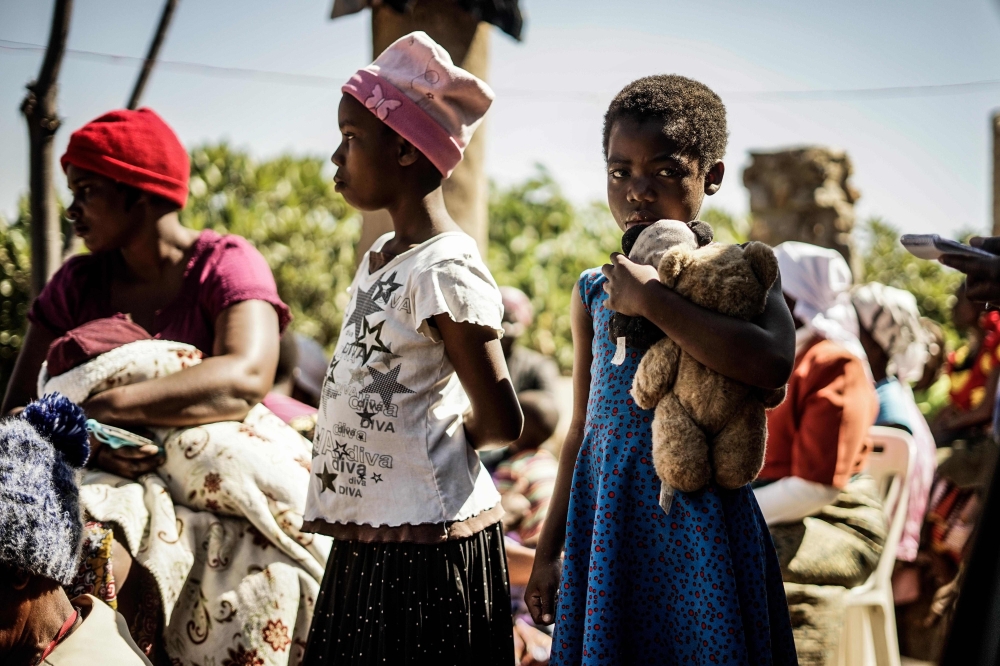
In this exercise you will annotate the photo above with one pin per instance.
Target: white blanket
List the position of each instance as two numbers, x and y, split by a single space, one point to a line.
218 525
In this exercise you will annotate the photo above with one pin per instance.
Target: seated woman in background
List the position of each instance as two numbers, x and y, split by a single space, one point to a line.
973 370
818 437
825 518
128 173
898 347
529 370
967 453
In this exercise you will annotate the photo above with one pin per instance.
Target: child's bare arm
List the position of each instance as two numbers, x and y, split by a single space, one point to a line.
760 352
21 387
541 591
478 359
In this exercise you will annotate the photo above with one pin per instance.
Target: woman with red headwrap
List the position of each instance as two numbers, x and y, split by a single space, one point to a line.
129 176
128 173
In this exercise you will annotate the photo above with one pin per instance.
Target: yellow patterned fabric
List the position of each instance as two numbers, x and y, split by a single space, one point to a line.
95 575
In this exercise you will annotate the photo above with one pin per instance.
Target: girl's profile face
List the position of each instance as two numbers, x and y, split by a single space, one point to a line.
648 180
367 157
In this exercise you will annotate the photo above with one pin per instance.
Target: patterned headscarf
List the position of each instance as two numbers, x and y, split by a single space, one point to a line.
892 318
820 281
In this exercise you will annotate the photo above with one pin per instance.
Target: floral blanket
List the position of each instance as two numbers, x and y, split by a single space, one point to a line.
218 526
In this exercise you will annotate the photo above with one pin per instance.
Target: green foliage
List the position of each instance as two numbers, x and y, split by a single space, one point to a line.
727 228
885 260
15 288
540 243
287 208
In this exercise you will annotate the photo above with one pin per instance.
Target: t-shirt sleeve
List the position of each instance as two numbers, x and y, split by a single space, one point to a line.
237 272
461 288
833 431
57 308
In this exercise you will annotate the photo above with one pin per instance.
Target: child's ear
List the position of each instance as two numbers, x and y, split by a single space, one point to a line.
408 154
713 179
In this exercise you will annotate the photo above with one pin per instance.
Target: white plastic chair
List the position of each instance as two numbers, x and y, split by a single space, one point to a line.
870 620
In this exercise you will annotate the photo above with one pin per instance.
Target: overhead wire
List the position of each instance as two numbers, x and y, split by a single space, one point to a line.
321 81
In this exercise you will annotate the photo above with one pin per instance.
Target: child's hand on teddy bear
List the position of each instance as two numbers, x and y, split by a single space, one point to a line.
627 285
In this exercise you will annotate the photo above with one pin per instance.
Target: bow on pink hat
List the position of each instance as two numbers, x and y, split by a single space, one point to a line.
415 88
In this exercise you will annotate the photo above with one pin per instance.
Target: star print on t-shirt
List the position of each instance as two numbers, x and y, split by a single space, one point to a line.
365 306
385 288
359 375
326 478
386 424
370 340
385 357
385 384
330 388
367 418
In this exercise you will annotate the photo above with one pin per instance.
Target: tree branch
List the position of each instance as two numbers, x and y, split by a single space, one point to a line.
39 109
154 52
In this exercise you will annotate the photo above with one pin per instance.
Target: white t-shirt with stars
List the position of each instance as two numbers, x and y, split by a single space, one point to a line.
390 448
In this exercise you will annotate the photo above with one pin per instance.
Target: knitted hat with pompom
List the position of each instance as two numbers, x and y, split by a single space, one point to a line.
40 521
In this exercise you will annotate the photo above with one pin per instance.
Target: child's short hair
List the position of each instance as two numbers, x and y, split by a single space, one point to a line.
693 116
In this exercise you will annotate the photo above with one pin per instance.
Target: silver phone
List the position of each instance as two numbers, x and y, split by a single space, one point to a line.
932 246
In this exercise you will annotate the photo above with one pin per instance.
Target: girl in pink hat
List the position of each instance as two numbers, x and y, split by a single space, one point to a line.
418 380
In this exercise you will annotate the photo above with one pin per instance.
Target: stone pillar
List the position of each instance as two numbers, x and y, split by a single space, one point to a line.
467 41
802 195
995 126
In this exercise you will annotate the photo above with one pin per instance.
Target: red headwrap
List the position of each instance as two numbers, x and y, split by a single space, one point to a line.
133 147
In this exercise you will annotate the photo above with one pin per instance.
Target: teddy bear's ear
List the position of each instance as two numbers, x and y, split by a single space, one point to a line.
629 239
673 263
762 262
703 232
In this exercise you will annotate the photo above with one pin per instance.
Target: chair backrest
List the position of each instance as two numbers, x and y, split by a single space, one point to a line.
891 465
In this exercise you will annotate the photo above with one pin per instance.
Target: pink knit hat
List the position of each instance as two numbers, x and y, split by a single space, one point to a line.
414 88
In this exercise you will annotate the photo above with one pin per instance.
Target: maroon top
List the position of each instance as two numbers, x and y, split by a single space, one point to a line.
222 271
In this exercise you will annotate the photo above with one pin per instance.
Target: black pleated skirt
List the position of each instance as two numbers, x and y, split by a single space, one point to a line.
408 603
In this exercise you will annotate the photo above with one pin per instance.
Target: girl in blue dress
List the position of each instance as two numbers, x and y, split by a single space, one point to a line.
636 585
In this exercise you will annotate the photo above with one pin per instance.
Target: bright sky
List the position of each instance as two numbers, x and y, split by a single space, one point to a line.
923 162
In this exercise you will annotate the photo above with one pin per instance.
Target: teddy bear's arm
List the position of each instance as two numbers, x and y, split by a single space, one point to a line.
656 374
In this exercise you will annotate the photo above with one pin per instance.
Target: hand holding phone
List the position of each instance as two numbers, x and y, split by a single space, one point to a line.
981 267
123 452
932 246
116 438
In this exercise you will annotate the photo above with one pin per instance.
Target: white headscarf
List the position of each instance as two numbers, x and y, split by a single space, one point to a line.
820 281
892 318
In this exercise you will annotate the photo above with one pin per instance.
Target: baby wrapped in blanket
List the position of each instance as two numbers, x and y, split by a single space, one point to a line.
218 525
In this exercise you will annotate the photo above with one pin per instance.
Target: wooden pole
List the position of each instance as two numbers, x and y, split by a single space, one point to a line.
39 109
154 51
467 42
995 125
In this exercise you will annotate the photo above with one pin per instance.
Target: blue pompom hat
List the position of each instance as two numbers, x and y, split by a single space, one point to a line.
40 520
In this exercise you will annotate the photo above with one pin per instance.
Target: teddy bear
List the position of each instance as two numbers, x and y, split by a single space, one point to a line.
646 245
706 425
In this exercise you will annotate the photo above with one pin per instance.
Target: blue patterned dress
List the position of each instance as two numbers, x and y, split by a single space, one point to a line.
700 586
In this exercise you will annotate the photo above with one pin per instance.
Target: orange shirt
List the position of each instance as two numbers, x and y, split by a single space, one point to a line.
820 432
